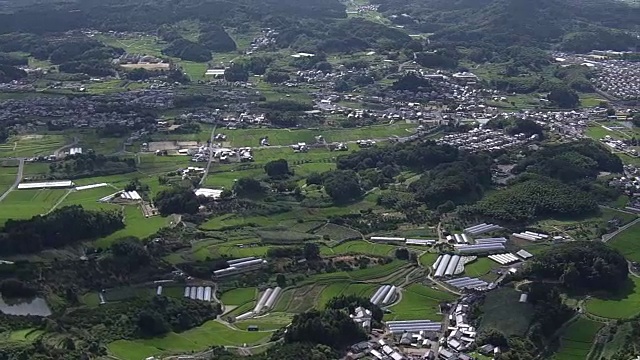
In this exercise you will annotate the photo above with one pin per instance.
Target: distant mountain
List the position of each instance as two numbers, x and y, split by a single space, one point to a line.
524 22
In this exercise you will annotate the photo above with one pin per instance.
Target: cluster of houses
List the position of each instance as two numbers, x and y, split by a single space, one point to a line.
619 78
629 183
616 77
461 335
227 155
619 145
479 139
141 61
266 38
85 112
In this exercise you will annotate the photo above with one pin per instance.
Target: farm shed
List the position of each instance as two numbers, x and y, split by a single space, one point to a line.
46 185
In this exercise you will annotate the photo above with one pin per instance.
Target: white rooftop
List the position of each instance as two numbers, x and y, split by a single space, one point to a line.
46 184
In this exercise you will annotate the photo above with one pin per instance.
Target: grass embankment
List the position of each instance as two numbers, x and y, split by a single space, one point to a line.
628 243
624 304
211 333
419 302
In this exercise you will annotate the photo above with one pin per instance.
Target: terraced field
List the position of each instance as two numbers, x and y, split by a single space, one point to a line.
577 339
31 145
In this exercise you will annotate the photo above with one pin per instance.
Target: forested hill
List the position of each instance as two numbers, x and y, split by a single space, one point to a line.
526 22
149 15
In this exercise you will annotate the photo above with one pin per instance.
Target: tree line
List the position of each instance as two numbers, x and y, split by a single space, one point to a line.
63 226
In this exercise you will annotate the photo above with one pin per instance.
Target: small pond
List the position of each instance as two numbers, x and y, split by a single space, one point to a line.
35 306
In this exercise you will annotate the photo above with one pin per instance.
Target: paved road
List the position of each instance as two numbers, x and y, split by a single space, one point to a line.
206 172
607 237
57 152
18 179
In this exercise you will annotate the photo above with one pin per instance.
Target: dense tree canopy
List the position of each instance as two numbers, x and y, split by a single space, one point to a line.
177 201
459 182
570 162
277 168
588 265
351 302
342 185
330 327
63 226
216 39
91 164
187 50
531 198
564 97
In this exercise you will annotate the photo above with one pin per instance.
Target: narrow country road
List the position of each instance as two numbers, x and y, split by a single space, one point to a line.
206 172
607 237
57 152
18 179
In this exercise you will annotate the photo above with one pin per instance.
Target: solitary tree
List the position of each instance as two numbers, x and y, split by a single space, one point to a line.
277 168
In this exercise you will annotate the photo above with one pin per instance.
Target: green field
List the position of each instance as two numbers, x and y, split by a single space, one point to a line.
25 335
272 321
31 145
251 137
304 214
89 198
234 250
337 232
24 204
502 310
238 296
359 247
597 132
428 259
211 333
135 225
370 273
480 267
7 178
628 242
344 288
590 99
35 169
577 339
299 299
419 302
623 305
